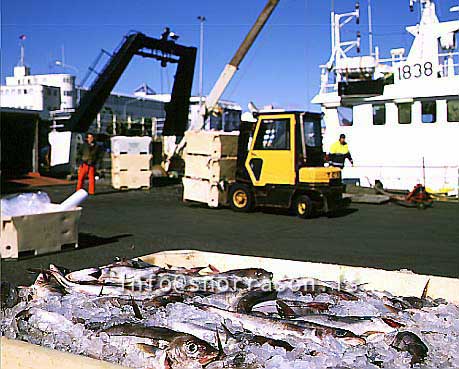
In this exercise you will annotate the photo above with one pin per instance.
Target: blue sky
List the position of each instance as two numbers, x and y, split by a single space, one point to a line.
280 69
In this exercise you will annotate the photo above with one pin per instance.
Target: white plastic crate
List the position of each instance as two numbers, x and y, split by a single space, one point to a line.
127 180
203 191
128 162
214 170
216 144
39 233
130 145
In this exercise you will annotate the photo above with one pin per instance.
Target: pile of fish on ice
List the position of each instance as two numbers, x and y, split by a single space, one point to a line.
145 316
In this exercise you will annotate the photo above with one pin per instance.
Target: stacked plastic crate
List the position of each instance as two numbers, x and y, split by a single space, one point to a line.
210 163
131 162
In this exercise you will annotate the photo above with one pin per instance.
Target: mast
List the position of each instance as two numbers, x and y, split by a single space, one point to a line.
370 28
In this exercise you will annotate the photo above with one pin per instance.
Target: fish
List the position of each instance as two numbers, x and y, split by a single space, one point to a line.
44 286
314 287
161 301
47 321
411 343
280 328
356 324
241 301
84 275
9 295
100 290
294 309
118 275
425 290
182 349
411 302
246 336
135 307
184 270
252 298
232 280
122 271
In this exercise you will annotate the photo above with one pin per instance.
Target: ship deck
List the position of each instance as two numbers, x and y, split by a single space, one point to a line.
133 223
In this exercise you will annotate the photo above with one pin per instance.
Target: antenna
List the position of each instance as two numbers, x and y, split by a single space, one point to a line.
370 28
357 12
358 42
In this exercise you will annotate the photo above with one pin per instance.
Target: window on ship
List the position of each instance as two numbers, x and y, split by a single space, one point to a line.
404 113
379 114
429 111
345 115
453 110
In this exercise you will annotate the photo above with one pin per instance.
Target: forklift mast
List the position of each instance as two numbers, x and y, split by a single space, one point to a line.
164 50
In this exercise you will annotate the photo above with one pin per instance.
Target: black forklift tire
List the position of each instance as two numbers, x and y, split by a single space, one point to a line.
241 198
302 206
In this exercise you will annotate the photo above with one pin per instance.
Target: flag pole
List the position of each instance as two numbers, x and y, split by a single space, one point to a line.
22 38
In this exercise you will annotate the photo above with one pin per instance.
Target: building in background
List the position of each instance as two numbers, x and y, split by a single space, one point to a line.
56 96
44 93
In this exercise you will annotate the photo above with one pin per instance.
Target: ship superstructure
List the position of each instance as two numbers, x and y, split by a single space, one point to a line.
401 114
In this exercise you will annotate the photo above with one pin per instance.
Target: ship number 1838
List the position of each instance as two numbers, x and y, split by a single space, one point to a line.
417 70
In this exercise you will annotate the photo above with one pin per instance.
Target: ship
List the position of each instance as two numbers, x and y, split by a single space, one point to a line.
400 114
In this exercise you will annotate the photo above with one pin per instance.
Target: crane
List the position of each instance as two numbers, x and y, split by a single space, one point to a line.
166 50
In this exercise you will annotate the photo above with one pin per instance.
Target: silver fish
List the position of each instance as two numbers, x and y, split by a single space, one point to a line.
280 328
182 349
100 290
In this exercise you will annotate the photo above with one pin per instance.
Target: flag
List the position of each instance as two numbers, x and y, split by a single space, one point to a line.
22 37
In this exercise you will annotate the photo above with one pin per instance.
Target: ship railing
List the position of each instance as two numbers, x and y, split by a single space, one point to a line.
448 66
448 63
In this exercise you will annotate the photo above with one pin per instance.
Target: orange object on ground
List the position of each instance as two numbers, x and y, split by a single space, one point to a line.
90 171
36 180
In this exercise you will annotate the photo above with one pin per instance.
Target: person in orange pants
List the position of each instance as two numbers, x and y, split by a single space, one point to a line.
88 155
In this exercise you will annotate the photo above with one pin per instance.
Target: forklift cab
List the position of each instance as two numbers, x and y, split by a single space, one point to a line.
286 148
284 161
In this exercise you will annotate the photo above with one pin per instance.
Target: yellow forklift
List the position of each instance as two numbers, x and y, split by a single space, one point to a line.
281 164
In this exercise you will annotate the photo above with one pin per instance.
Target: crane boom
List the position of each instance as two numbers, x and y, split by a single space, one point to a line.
231 68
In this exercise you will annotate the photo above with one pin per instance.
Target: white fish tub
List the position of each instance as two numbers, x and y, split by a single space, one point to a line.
39 233
16 354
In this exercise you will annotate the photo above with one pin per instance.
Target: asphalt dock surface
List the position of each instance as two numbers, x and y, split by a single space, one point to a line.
135 223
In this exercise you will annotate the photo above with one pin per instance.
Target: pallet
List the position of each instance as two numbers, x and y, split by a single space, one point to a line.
39 233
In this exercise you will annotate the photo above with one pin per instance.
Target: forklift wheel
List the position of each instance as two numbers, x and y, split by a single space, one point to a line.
241 198
303 207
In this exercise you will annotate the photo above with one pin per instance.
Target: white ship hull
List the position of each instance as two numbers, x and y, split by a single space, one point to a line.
406 132
400 156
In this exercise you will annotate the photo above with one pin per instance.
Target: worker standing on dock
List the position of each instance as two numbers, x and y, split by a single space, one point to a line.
339 152
88 157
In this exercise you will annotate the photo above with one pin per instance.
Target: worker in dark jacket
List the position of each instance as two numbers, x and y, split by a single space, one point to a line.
339 152
88 157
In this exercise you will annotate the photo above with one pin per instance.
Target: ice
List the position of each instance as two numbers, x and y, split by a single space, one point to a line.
354 308
26 203
73 323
